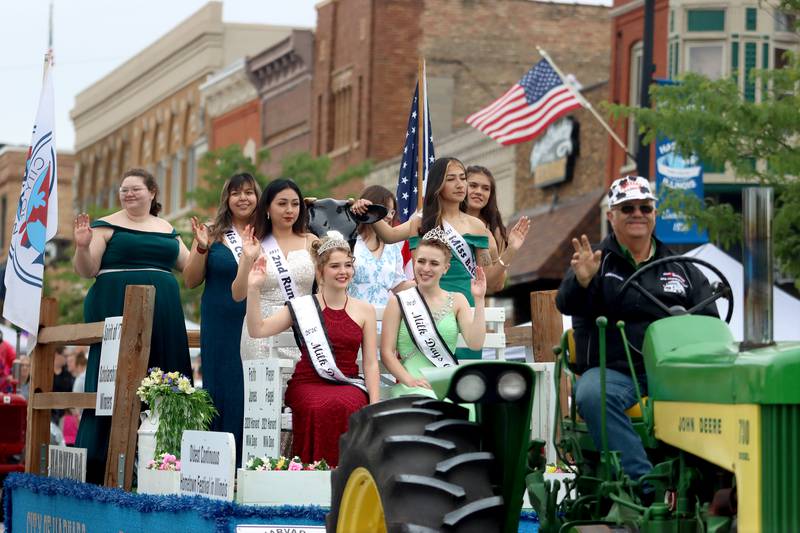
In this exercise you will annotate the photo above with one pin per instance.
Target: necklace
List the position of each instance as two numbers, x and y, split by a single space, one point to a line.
346 298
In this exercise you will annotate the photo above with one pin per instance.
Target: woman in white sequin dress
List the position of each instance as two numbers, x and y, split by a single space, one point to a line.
281 213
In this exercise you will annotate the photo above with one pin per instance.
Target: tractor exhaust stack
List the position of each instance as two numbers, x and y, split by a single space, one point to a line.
757 262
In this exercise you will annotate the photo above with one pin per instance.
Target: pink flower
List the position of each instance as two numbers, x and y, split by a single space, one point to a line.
177 465
169 458
295 466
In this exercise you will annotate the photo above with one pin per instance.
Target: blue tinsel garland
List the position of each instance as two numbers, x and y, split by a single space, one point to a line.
219 512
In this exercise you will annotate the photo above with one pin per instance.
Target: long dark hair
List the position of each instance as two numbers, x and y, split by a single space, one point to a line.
431 210
377 195
489 213
224 219
264 224
149 182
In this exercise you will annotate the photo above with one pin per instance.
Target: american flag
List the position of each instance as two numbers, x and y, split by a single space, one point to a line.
540 98
407 182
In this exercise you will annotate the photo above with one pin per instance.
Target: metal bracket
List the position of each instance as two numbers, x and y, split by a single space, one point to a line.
43 459
121 471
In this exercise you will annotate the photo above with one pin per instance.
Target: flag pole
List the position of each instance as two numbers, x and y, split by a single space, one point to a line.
421 137
585 103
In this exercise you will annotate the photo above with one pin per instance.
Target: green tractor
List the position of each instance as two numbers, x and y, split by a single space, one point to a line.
721 426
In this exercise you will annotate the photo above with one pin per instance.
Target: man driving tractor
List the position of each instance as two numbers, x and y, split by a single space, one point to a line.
591 288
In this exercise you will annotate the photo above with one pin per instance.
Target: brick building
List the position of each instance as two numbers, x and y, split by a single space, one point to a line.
148 112
232 109
282 75
12 169
474 52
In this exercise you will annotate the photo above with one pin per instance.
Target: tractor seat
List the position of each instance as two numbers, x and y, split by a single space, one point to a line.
634 412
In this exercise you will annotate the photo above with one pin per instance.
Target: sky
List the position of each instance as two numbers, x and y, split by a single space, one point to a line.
93 37
90 39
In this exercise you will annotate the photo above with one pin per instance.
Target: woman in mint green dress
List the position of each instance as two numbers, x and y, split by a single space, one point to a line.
450 312
445 190
130 247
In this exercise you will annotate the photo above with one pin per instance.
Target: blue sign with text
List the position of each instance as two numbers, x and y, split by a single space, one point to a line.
673 171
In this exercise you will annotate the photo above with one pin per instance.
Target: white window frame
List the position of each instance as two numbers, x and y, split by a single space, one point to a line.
704 43
636 62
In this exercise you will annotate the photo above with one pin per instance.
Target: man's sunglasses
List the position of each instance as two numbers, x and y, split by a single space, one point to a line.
644 209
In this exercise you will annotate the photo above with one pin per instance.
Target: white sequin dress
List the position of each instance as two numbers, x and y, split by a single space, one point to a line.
302 268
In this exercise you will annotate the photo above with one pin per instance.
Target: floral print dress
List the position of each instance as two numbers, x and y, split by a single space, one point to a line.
374 278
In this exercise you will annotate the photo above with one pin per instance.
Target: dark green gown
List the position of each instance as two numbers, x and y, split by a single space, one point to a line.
129 250
457 279
221 320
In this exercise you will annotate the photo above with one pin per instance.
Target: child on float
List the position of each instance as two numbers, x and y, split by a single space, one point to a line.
421 325
325 388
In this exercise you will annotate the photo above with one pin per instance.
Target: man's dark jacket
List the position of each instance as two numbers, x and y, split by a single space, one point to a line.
672 283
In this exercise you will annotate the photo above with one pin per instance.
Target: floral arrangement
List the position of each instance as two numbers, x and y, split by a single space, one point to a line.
284 463
179 406
164 461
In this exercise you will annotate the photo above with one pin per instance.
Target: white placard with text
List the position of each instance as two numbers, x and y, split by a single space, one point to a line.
262 409
207 464
278 529
107 376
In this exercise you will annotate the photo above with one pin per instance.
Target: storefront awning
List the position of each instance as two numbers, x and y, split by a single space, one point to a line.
547 249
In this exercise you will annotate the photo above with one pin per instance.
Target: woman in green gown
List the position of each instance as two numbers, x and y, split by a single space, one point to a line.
130 247
450 312
445 190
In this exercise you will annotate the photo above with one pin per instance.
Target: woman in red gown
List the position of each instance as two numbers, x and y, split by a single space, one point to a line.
321 406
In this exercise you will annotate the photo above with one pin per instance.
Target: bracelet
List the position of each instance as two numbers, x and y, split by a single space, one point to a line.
500 260
201 250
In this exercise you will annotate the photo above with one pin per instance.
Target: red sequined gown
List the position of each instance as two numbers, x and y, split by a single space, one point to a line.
321 408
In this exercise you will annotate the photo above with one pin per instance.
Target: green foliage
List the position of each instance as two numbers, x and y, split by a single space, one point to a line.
756 141
312 174
217 166
724 225
179 407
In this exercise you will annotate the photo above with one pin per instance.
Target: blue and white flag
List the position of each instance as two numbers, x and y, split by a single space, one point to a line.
36 220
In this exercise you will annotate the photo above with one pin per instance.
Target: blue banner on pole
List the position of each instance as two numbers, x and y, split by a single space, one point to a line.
673 171
676 172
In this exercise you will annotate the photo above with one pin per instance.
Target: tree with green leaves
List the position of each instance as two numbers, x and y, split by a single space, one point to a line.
756 141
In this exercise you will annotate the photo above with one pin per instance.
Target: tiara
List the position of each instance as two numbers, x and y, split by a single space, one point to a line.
436 234
333 239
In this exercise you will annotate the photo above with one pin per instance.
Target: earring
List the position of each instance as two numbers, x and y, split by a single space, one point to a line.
267 216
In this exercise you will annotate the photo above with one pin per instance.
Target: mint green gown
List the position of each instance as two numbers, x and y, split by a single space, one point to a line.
413 360
457 279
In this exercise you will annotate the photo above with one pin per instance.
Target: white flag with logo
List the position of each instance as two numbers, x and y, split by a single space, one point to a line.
36 220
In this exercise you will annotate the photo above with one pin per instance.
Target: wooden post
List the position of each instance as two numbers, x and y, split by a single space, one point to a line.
134 352
546 325
38 430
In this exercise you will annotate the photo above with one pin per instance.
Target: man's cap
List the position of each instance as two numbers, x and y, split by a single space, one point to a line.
629 188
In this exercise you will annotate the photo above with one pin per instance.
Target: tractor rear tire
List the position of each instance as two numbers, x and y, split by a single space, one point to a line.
413 464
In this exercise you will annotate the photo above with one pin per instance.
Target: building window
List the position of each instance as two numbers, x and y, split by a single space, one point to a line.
192 164
784 22
706 20
634 92
342 117
176 194
751 19
707 59
780 59
161 179
749 64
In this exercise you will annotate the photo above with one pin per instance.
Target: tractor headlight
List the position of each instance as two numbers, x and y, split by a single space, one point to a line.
511 386
471 387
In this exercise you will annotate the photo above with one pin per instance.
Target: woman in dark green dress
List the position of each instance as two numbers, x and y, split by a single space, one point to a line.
130 247
215 257
445 190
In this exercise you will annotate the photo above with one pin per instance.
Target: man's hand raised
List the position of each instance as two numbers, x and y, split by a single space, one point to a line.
585 263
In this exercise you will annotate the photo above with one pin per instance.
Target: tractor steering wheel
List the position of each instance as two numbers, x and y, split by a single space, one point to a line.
719 290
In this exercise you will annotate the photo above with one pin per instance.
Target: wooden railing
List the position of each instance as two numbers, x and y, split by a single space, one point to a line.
137 327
